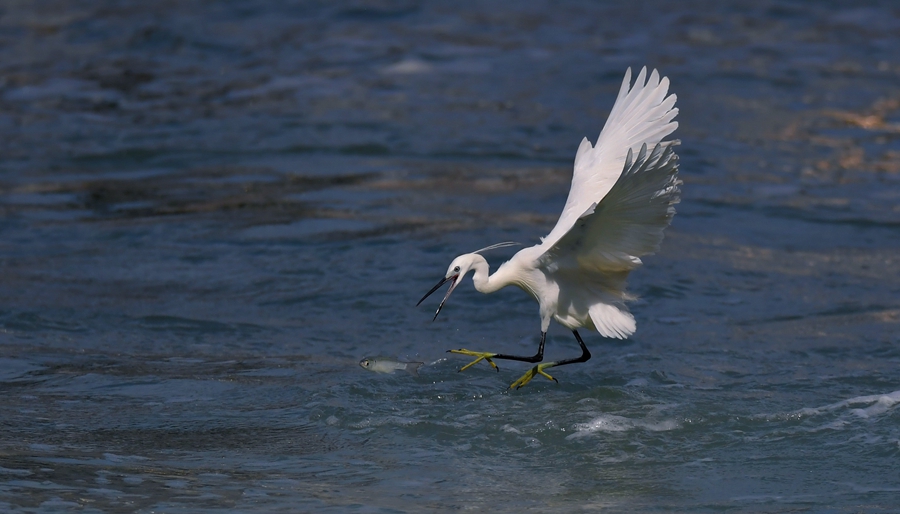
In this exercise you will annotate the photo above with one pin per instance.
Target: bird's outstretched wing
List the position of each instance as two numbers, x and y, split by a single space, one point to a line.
611 235
642 115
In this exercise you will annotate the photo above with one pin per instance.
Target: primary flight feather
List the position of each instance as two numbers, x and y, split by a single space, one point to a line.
622 198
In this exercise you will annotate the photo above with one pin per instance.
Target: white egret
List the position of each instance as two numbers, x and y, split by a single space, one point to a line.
620 202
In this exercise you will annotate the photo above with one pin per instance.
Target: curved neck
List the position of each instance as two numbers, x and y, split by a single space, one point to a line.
484 282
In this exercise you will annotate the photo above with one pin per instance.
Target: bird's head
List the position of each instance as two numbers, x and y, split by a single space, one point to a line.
458 269
455 273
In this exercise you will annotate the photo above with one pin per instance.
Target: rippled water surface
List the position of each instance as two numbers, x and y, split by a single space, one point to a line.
212 211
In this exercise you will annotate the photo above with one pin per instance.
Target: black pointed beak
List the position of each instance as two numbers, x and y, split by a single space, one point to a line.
455 280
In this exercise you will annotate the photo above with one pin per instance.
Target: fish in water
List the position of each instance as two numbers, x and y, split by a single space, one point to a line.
386 365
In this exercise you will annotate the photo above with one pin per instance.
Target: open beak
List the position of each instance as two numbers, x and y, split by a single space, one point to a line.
455 279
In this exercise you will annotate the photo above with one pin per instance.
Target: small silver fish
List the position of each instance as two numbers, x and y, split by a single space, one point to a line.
386 365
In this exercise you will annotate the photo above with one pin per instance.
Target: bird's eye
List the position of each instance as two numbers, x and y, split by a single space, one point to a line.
456 269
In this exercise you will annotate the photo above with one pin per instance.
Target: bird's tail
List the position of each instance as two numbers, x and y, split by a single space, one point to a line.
612 320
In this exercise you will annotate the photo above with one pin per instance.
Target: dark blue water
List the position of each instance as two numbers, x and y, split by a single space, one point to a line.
212 211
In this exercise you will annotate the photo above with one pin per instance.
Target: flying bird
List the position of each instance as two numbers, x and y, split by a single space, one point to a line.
622 198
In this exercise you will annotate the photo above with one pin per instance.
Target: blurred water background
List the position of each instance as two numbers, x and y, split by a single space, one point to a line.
211 211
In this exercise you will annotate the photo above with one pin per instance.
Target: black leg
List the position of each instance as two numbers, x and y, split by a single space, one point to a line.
585 354
488 356
539 369
538 357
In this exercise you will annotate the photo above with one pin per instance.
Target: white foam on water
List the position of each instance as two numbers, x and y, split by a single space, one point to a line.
378 421
868 407
611 424
881 405
877 404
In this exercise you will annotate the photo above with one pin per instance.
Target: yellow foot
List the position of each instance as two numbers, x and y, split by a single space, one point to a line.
486 356
537 370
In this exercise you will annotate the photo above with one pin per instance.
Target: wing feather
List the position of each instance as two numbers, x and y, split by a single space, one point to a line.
641 115
629 221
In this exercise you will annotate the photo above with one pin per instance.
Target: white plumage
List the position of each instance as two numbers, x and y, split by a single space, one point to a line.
620 202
